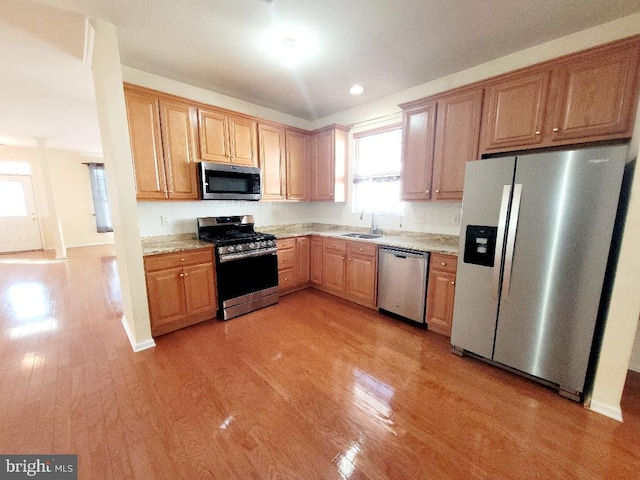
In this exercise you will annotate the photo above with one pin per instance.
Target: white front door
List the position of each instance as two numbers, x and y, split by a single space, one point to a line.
19 228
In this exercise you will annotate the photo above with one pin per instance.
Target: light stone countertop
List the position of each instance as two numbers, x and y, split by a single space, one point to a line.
425 242
172 243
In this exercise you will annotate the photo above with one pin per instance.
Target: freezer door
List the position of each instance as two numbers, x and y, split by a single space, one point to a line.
487 188
553 276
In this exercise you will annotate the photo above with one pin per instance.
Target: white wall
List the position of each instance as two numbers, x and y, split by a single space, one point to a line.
72 190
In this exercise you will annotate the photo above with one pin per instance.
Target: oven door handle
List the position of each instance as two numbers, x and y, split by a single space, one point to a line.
229 257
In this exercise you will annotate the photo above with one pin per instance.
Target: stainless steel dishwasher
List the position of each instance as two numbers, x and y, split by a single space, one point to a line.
402 282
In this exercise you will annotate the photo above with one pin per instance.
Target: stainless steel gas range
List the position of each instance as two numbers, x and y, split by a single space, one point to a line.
246 264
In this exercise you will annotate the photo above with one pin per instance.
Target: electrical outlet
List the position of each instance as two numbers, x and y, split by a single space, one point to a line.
419 217
164 220
456 219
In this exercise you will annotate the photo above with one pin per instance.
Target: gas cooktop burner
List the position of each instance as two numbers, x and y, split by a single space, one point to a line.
234 235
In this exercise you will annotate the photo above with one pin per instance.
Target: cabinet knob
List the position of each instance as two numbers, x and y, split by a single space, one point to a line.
182 259
182 274
427 192
186 275
331 194
538 132
556 129
453 283
437 191
349 259
443 264
334 245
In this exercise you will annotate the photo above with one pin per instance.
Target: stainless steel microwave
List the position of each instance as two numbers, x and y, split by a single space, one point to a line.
229 182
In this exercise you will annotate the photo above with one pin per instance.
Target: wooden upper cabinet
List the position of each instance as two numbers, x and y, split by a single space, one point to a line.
213 130
297 165
329 162
418 135
515 111
227 138
456 142
272 162
177 122
585 97
143 116
162 146
244 144
595 96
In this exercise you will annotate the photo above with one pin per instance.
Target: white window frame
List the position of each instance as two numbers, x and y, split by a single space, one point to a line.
389 176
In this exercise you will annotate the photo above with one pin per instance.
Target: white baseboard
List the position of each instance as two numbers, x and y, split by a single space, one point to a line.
607 410
635 366
137 346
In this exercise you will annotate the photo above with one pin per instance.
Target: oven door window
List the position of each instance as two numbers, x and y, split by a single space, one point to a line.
246 275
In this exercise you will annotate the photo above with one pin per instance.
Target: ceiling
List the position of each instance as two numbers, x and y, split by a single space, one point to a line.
220 45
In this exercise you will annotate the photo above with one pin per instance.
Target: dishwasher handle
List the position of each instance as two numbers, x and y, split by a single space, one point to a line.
402 253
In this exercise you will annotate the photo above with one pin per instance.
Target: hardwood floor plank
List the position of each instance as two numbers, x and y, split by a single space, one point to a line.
313 387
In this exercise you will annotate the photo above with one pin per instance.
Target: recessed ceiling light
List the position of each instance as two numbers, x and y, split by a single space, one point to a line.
356 90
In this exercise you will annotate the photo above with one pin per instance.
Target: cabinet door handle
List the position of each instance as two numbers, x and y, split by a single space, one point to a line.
556 129
182 275
538 132
182 259
186 275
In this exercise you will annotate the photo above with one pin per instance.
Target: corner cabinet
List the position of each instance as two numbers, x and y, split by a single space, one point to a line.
227 138
181 289
284 159
329 164
162 137
440 135
441 292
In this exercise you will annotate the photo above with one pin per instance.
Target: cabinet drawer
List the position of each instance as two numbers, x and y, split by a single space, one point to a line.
285 243
335 244
361 248
444 263
286 259
171 260
287 279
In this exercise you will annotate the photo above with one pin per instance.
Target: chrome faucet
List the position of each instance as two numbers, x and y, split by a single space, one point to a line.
373 229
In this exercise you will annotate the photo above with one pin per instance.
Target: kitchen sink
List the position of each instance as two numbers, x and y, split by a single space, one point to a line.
361 235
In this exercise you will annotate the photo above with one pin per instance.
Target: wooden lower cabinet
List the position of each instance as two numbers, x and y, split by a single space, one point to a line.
181 289
441 292
293 264
350 270
315 261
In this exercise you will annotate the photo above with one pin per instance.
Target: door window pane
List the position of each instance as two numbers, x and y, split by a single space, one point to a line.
12 201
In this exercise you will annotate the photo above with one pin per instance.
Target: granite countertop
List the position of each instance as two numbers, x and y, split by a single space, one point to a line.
425 242
172 244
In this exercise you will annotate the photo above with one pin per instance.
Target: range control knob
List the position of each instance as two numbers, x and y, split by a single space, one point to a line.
222 250
252 245
231 249
270 243
263 243
239 248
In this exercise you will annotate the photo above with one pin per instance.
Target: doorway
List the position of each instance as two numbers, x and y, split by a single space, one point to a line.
19 226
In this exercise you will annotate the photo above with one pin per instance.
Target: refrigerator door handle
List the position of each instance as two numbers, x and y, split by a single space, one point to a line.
502 223
511 239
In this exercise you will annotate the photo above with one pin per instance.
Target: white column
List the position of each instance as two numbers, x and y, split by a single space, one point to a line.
622 319
54 218
112 117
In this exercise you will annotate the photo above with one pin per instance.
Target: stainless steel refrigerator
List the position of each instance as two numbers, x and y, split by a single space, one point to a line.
535 239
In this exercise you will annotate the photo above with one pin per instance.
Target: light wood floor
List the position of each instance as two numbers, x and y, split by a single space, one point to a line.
311 388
